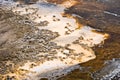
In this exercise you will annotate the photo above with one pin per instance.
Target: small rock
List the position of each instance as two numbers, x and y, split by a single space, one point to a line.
66 52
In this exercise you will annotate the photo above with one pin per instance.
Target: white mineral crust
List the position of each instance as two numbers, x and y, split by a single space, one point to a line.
43 11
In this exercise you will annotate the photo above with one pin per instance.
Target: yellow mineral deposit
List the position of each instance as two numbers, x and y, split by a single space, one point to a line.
69 3
106 36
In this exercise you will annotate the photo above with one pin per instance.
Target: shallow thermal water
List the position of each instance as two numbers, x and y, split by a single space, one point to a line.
75 39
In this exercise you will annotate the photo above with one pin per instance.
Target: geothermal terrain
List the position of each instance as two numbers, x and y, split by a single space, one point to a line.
59 39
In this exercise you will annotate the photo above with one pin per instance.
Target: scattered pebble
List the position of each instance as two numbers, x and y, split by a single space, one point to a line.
66 52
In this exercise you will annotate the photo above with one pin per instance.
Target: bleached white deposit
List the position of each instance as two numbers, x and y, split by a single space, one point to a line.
67 29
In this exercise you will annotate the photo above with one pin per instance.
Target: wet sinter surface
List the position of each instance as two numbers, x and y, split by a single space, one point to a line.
99 14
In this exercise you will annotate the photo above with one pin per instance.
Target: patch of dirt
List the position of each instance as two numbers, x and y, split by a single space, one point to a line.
10 31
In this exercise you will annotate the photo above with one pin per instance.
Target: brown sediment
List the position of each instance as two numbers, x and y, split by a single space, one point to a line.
77 75
79 24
